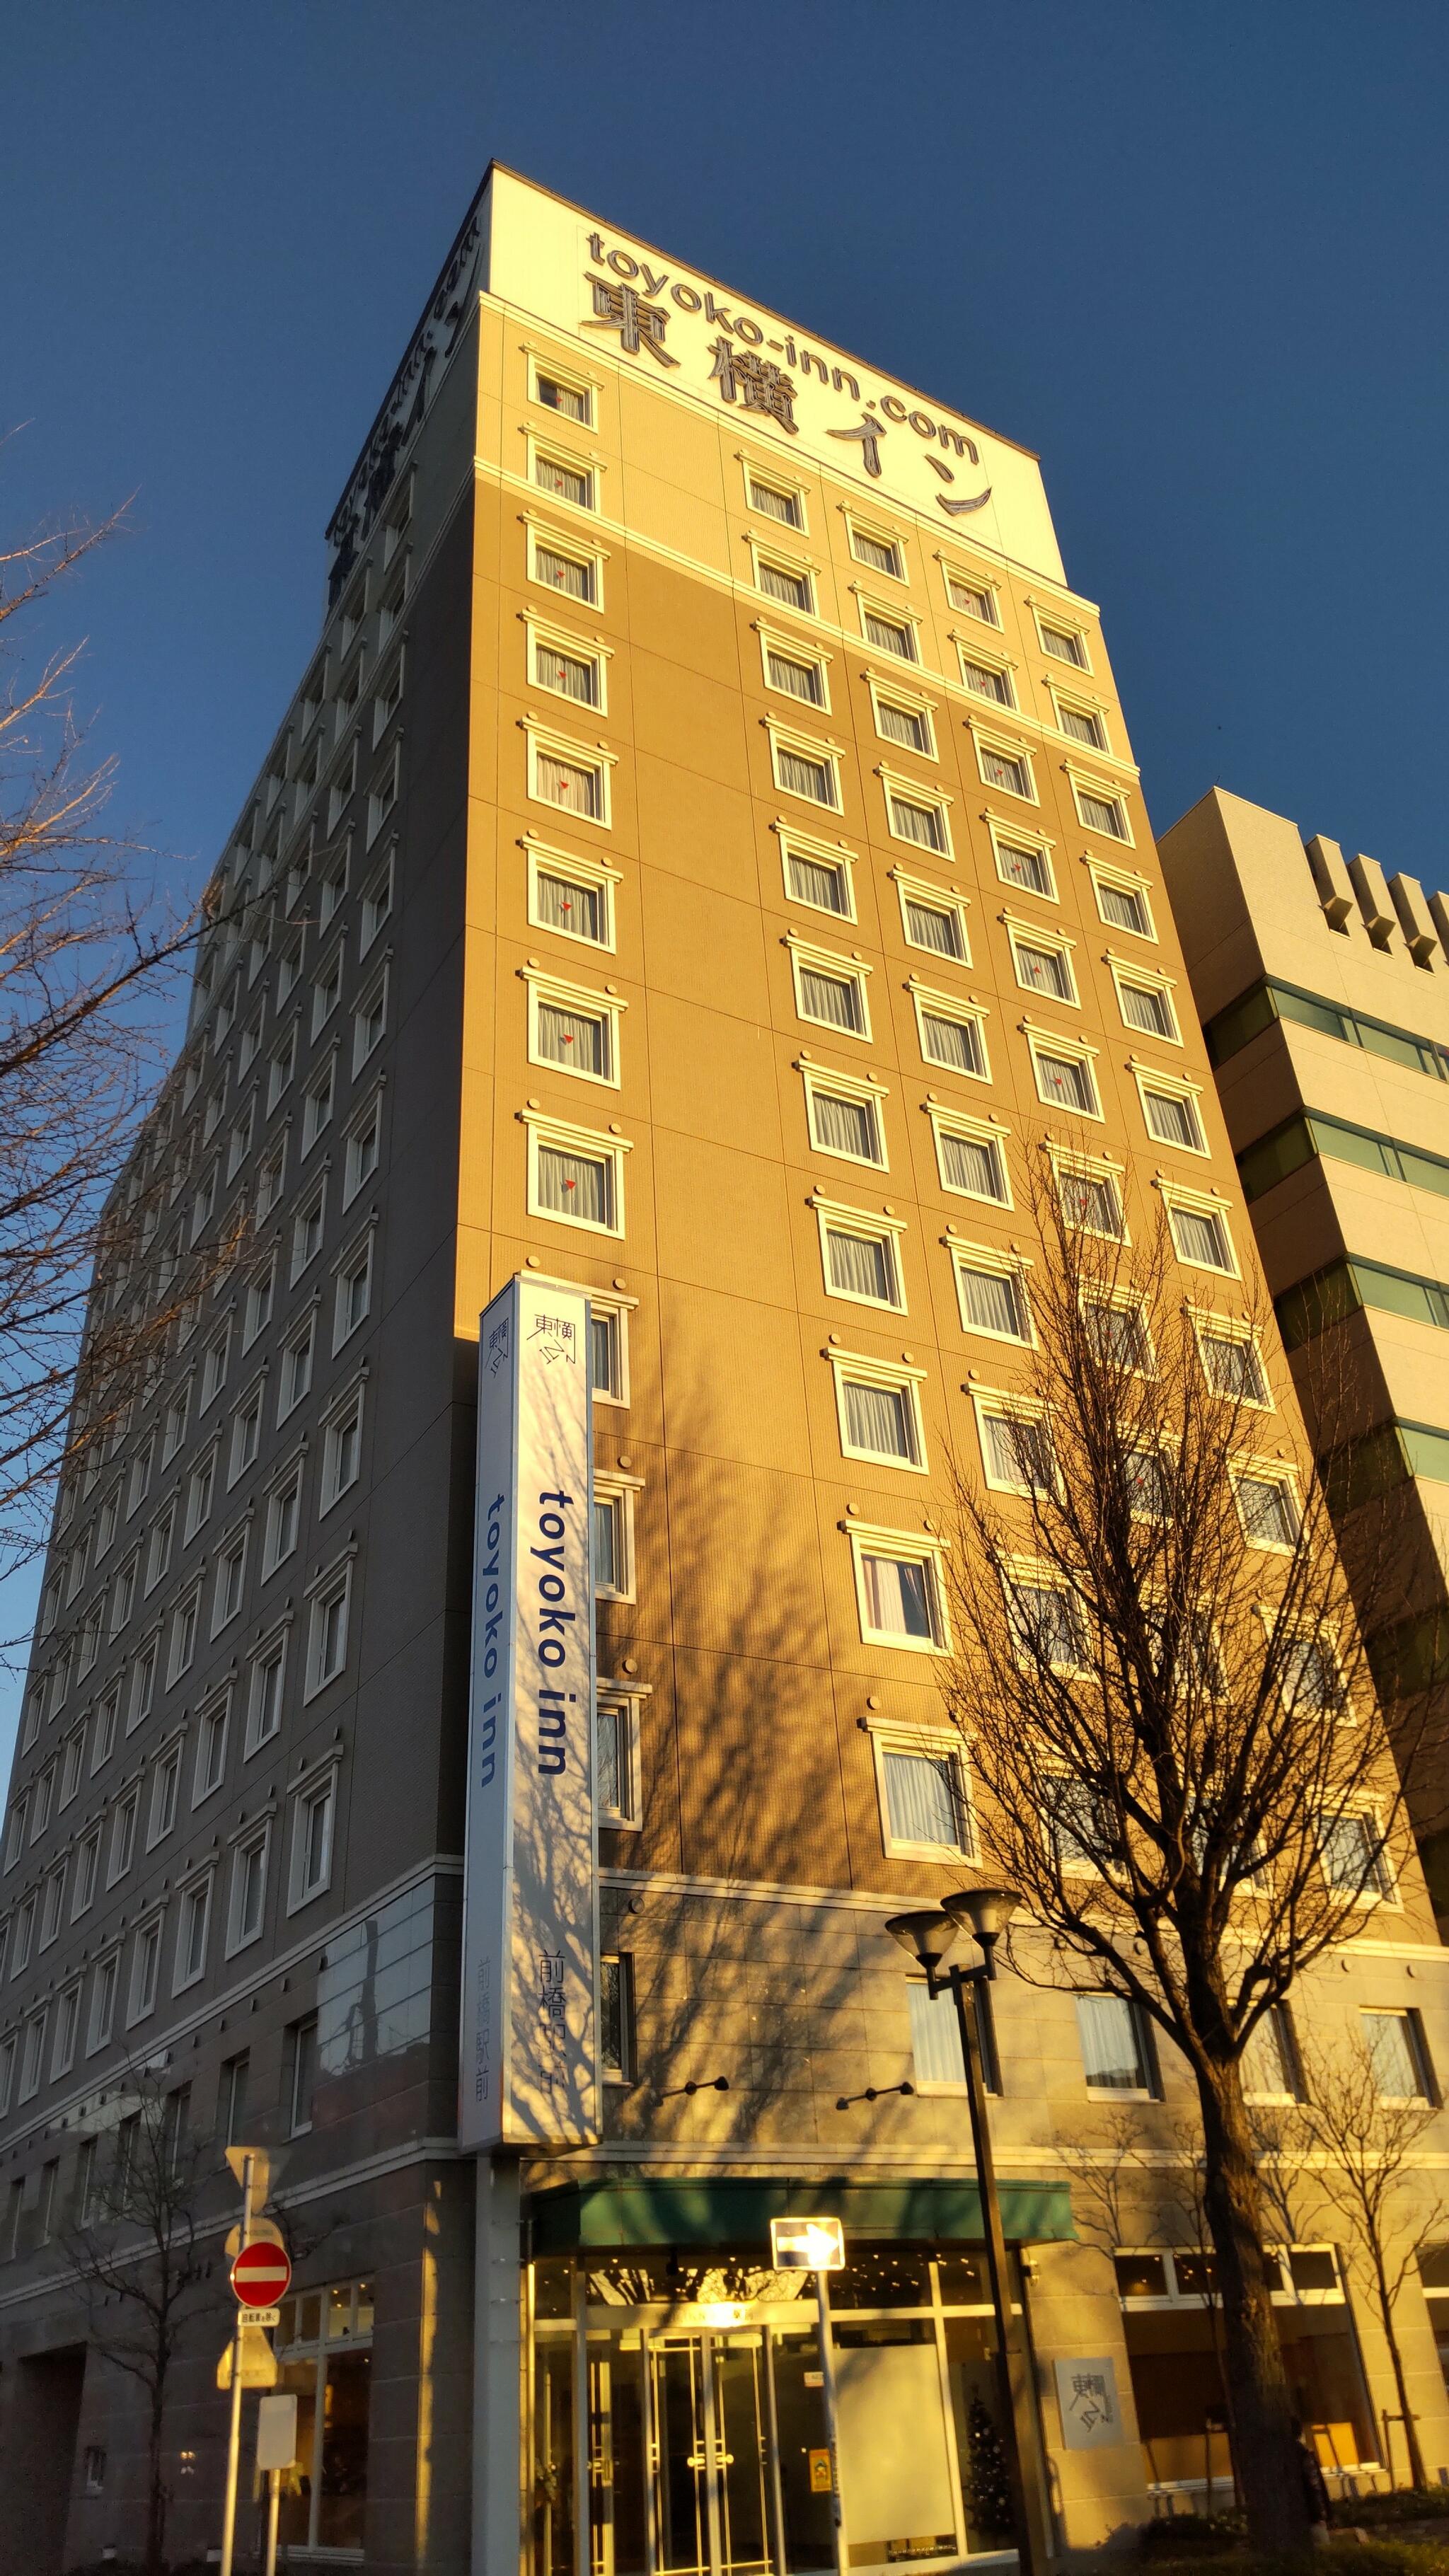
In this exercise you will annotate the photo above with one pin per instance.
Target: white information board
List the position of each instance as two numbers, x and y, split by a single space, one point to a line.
528 2070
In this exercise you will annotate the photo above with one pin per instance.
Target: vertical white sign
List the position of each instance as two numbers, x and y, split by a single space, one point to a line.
528 2073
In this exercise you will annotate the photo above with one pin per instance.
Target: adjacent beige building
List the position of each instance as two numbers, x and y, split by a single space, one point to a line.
703 861
1324 987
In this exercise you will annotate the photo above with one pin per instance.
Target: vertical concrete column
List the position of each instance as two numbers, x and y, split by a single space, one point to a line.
497 2370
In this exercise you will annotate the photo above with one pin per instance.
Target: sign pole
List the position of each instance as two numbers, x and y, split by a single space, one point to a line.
273 2501
233 2447
832 2415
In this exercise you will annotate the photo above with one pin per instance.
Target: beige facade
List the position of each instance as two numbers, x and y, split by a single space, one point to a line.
1324 987
705 862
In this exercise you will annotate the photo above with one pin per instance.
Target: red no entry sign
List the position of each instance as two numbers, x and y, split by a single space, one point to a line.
261 2275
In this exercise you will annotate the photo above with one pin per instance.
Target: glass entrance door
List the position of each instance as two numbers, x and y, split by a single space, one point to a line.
712 2455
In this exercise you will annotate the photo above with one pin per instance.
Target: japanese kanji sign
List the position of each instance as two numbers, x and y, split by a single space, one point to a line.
1087 2396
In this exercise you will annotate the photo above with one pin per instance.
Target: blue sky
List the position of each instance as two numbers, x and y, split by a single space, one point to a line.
1193 254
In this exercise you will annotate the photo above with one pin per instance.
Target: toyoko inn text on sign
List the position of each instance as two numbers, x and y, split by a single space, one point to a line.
528 2071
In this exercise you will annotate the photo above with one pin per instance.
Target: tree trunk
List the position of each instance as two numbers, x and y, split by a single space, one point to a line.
156 2497
1269 2469
1417 2477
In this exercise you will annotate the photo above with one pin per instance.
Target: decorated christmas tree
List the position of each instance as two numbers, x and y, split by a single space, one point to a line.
988 2488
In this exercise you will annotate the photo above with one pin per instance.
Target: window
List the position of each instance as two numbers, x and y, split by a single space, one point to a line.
845 1116
1091 1198
1270 2060
32 2056
986 679
914 815
1114 2042
567 670
269 1179
230 1583
1200 1234
1045 1622
1016 1447
87 1871
1233 1365
8 2052
889 634
1268 1509
952 1033
72 1765
1064 1075
67 2031
564 480
145 1970
933 920
363 1148
924 1801
185 1622
199 1492
618 1758
801 770
1101 811
828 990
261 1288
333 889
572 401
281 1068
899 1592
1146 1006
616 2017
576 1177
284 1514
52 1903
313 1814
1171 1113
608 1352
376 905
795 674
1082 724
45 2208
104 1986
1397 2054
818 876
973 595
566 776
248 1890
327 1636
882 554
991 1294
246 1433
297 1367
573 574
301 2074
264 1704
794 589
774 501
1063 643
95 2469
341 1464
211 1746
15 1838
307 1232
571 896
317 1104
213 1367
232 2098
971 1158
123 1595
613 1539
369 1022
576 1031
354 1292
24 1936
1043 964
1002 768
165 1793
860 1257
192 1928
384 793
123 1837
905 721
1355 1861
1122 903
879 1411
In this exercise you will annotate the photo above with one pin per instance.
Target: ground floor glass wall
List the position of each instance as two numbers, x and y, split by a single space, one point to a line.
677 2415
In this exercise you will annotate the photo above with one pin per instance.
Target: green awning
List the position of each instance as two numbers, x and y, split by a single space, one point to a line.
736 2209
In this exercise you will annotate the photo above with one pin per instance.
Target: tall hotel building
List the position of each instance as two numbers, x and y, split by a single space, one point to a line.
703 866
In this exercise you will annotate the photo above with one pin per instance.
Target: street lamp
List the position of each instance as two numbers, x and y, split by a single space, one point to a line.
928 1936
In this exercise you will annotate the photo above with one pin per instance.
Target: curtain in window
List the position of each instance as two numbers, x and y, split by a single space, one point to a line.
923 1799
571 1037
565 906
859 1266
897 1596
972 1165
830 998
1111 2044
878 1418
935 2037
846 1126
574 1184
931 929
956 1043
992 1302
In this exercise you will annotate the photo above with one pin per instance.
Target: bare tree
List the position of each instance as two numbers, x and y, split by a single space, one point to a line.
87 955
131 2240
1155 1652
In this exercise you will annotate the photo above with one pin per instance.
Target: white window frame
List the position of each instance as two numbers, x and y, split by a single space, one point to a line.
999 1404
67 2030
303 1334
587 465
1002 744
287 1482
1123 2093
794 648
167 1766
1199 1203
975 1131
105 1986
795 568
216 1705
352 1401
929 1002
586 1141
825 854
876 532
321 1781
231 1550
974 655
250 1409
370 1006
358 1260
1170 1086
327 985
1075 701
575 547
1126 971
1003 1265
870 1228
860 1088
764 471
1107 791
1021 933
891 612
984 583
354 1178
1208 1325
616 1489
627 1698
203 1885
377 902
913 1547
818 749
923 1744
1040 845
896 783
841 970
1125 881
584 998
1064 624
541 363
1268 1471
907 702
315 1203
541 737
185 1630
579 648
88 1871
1092 1167
897 1377
243 1843
334 1582
1078 1050
593 873
269 1650
145 1983
949 899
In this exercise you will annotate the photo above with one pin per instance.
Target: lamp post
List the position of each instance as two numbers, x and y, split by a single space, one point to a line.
984 1912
